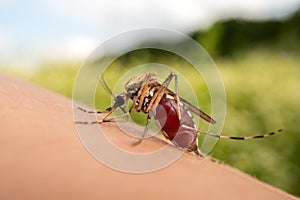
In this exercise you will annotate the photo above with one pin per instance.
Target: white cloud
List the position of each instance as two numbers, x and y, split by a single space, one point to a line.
79 46
177 14
7 45
120 16
74 48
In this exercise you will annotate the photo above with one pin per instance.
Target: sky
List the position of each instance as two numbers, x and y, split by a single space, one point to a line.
32 31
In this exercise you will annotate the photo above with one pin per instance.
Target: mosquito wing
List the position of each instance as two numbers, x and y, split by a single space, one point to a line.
193 108
197 111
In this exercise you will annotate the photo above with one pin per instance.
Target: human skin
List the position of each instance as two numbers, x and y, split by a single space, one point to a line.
42 157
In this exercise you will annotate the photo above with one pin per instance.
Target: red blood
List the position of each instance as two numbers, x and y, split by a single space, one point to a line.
166 117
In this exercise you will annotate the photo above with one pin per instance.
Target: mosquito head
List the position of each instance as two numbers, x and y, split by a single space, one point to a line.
120 99
135 83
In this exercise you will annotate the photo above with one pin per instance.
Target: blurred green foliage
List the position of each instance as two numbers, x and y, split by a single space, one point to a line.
235 36
58 77
263 95
259 64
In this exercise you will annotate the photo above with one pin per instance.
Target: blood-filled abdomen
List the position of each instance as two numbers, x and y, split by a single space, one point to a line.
166 117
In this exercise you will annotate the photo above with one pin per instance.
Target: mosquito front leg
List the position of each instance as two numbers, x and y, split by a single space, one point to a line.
113 119
106 118
91 111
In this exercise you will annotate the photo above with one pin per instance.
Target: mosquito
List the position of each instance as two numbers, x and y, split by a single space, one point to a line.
170 111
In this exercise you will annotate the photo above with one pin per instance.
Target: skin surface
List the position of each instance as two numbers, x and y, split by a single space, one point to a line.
42 157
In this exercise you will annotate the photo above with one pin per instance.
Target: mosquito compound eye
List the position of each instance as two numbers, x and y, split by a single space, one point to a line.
120 99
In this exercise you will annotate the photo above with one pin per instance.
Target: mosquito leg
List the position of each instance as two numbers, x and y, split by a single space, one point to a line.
177 100
142 93
105 119
113 119
91 111
199 153
95 122
234 137
194 148
108 112
145 130
147 125
166 84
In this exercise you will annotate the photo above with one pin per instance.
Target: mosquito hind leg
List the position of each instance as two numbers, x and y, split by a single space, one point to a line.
194 148
199 153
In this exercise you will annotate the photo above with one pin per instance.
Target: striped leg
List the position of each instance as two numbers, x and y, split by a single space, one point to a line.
236 137
106 118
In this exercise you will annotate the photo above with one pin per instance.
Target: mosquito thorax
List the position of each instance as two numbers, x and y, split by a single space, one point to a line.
135 83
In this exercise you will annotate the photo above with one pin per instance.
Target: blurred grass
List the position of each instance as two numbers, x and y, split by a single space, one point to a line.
262 89
263 95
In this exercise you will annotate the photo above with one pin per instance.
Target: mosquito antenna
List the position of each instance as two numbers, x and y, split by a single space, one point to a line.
103 83
116 98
